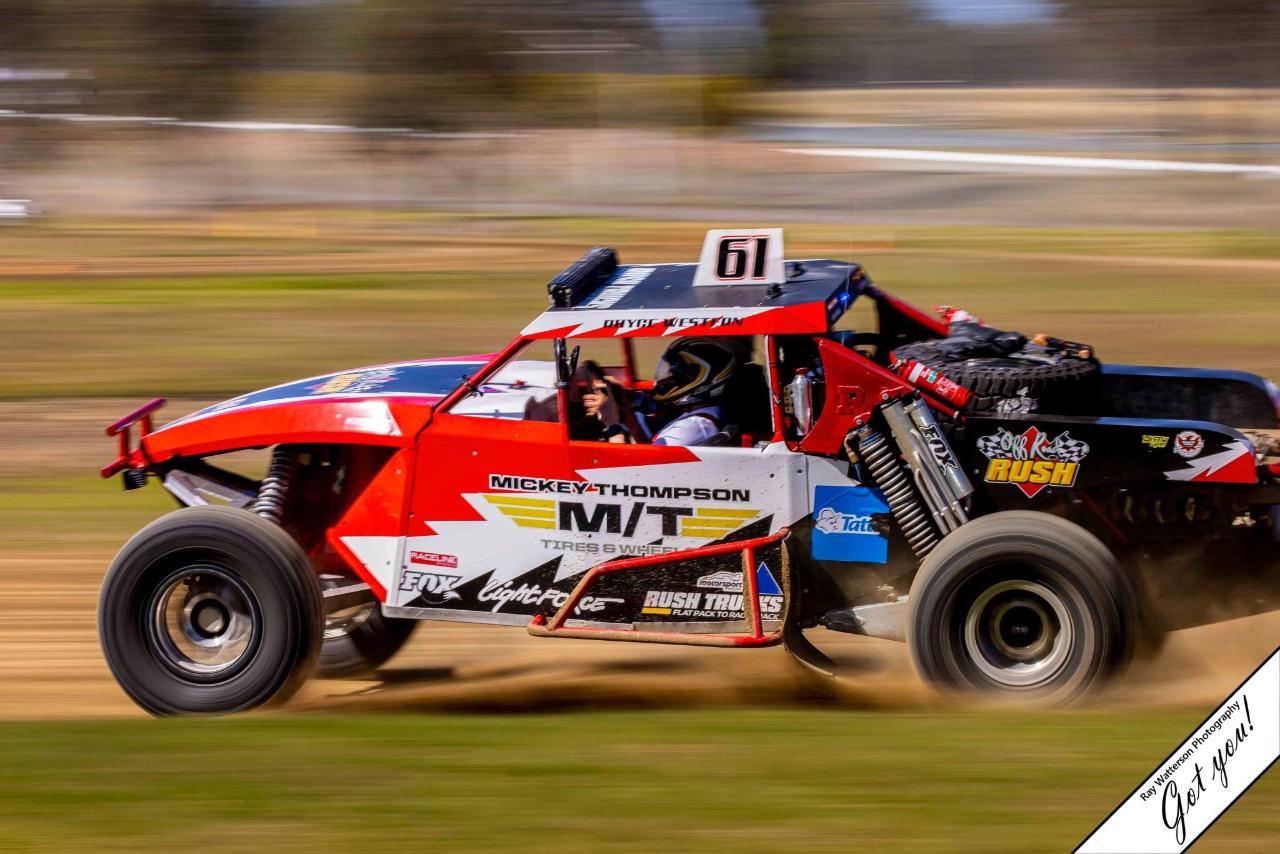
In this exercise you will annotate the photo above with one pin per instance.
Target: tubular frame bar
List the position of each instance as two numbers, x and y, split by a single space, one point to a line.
753 635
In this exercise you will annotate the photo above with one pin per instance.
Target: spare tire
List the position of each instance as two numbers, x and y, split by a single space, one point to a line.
1015 383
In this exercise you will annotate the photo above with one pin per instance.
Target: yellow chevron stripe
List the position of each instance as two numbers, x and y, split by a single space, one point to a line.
690 531
517 501
726 513
702 522
528 512
535 523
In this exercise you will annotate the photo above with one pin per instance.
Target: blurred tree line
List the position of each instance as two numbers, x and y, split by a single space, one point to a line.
442 64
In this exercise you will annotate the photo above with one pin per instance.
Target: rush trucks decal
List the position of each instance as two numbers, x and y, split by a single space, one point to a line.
1032 460
718 597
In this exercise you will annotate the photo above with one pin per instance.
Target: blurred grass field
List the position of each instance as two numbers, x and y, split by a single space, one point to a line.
206 307
696 781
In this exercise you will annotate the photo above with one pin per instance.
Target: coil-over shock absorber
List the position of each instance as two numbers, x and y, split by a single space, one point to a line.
891 478
275 486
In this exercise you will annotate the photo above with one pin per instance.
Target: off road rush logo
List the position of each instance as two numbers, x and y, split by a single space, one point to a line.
1032 460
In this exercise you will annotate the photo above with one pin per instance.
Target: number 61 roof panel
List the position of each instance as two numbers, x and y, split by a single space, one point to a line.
596 298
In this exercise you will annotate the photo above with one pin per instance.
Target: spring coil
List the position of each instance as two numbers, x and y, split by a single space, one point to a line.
275 486
893 482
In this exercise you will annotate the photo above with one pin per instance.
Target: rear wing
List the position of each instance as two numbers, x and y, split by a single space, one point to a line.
132 461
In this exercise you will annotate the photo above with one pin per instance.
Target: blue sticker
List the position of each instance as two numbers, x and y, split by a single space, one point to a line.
843 528
766 584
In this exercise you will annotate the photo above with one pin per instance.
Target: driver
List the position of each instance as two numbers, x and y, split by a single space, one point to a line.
689 381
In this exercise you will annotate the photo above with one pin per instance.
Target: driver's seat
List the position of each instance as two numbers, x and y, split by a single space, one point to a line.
744 409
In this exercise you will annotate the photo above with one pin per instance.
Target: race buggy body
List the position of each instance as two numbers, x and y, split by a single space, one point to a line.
1023 516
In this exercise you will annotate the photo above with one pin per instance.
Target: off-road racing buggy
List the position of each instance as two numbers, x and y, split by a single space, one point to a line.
1024 517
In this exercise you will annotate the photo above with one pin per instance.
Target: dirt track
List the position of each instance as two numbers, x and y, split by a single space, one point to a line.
50 664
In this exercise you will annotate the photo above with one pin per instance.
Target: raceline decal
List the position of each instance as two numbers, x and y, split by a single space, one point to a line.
1155 442
433 559
1031 460
850 523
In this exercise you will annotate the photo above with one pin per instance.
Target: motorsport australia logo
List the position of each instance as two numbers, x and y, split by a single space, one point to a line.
1032 460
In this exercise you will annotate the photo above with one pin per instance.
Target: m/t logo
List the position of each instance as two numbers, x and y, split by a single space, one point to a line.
621 519
575 516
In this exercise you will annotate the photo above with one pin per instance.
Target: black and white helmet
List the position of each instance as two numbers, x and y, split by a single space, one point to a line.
693 371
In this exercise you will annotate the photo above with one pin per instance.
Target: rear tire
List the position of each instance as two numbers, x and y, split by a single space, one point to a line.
1021 606
210 610
357 641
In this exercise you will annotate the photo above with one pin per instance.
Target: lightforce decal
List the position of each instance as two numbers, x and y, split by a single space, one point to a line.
506 593
1032 460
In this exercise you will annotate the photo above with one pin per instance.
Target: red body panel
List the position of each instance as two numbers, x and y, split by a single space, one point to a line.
379 511
370 421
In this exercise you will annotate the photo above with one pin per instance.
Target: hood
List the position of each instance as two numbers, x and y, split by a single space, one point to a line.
425 379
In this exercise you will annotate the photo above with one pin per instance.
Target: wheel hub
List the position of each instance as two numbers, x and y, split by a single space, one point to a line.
1018 633
204 622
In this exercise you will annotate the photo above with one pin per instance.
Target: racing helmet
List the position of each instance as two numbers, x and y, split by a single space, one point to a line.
693 371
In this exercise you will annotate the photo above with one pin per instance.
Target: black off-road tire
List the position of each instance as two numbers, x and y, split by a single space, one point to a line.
364 648
1021 606
1066 386
210 610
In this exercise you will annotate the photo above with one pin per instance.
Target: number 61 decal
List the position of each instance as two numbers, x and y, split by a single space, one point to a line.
741 257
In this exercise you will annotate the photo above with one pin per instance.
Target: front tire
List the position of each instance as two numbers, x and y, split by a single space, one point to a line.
1021 606
210 610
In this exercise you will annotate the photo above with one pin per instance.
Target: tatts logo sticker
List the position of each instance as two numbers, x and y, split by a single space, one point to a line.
1032 460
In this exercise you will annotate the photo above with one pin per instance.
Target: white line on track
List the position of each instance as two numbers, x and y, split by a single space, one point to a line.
1038 160
250 126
